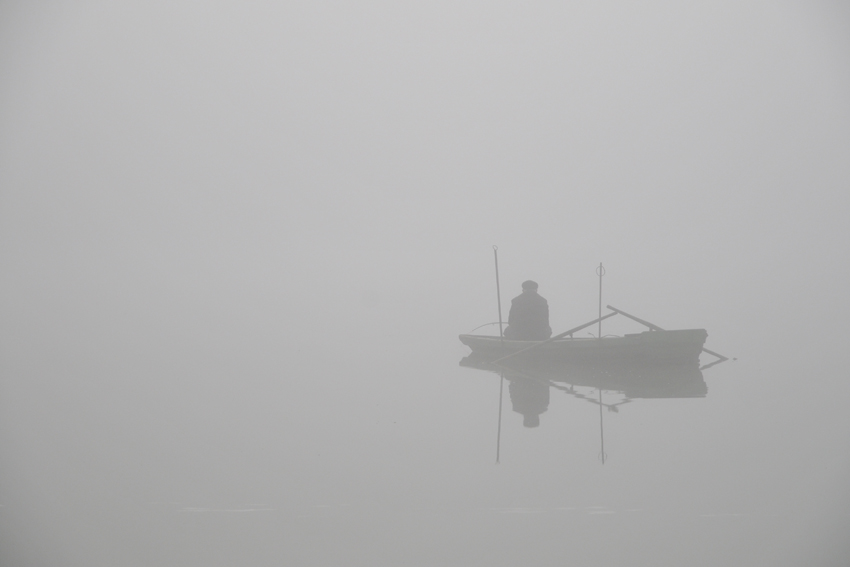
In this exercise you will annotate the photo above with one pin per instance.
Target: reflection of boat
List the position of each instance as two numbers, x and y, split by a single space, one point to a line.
633 377
531 380
649 345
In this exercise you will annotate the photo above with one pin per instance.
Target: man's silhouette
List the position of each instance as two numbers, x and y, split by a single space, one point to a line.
529 317
529 398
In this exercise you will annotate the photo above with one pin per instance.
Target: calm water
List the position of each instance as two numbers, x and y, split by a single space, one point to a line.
380 450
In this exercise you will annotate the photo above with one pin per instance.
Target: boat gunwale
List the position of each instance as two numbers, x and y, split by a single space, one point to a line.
629 336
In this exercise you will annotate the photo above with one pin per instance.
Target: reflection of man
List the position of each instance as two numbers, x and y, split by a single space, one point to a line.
529 317
530 398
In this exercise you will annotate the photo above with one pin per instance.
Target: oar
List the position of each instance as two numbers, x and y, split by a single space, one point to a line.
556 337
707 366
657 328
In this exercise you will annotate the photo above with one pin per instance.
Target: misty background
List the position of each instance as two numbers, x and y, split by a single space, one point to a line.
239 240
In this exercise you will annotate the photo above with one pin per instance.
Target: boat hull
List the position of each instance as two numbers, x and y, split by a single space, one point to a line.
676 345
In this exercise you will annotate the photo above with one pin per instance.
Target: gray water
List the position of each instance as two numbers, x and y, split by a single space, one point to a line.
239 243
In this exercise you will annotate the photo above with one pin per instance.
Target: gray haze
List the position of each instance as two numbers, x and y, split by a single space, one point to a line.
239 239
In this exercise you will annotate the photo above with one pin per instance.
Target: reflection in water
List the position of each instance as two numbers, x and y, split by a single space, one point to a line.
624 379
633 379
528 397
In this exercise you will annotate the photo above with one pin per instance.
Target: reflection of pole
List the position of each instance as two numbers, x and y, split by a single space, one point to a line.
502 339
499 430
498 292
601 272
602 455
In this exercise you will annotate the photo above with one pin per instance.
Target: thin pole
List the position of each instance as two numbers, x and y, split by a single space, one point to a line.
602 454
498 291
499 430
601 272
502 339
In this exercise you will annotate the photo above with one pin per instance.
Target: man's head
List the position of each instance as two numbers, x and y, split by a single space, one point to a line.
529 285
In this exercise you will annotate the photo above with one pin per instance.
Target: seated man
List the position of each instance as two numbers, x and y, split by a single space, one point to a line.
529 316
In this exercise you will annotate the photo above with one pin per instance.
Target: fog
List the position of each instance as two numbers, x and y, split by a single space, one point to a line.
239 242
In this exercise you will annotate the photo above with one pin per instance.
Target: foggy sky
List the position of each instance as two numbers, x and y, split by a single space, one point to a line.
203 149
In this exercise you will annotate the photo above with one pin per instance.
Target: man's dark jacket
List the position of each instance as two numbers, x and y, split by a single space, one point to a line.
529 318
